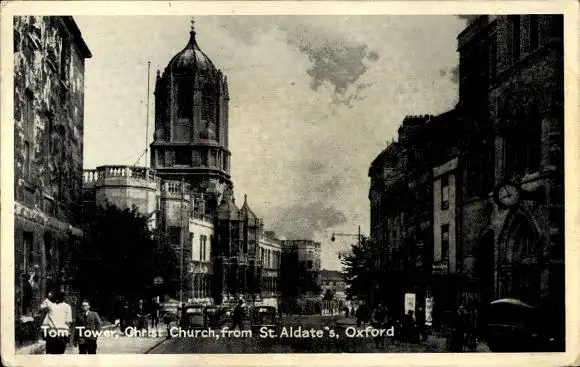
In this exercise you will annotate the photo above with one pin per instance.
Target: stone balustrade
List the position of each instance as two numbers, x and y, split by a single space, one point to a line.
104 172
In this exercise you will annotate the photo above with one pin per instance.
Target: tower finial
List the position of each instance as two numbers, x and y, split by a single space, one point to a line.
192 21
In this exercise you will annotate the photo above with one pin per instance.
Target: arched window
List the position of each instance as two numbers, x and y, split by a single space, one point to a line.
206 104
184 98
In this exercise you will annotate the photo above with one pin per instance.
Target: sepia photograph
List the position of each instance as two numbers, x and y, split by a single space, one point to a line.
287 184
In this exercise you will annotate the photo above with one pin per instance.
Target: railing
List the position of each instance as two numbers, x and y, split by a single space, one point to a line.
103 172
175 187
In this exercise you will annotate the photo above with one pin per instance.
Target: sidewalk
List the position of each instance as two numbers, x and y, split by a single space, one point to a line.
435 343
116 344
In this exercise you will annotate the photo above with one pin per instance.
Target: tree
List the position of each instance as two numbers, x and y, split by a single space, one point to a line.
360 269
121 257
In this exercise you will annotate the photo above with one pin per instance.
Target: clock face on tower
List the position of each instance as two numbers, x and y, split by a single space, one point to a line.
507 195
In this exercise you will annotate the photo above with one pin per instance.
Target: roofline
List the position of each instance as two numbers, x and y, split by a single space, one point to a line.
78 37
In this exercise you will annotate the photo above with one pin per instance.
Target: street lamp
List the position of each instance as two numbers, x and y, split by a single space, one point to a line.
333 238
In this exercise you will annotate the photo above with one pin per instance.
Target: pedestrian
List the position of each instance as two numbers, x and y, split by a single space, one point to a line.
238 315
378 322
155 307
420 322
167 319
87 325
458 331
346 311
409 326
141 315
57 322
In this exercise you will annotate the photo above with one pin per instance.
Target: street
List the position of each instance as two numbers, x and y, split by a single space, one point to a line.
299 340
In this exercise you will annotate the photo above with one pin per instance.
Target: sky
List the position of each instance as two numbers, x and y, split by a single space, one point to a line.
313 100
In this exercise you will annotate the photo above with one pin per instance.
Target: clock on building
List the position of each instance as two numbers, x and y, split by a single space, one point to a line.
507 195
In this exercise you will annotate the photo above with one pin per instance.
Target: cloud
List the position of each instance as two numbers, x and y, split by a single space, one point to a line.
304 220
335 61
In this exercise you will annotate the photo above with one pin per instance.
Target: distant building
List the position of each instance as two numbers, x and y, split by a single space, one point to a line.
270 260
301 264
332 280
49 72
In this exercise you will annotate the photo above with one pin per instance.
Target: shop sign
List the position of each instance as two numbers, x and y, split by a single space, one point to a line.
409 302
429 311
440 268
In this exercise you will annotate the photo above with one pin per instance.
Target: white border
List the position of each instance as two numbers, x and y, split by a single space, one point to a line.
572 158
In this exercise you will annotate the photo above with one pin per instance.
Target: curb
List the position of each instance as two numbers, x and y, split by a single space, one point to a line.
148 350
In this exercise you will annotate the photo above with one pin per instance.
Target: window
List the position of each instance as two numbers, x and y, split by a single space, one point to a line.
28 250
65 57
185 98
492 58
28 125
182 157
533 32
202 248
175 235
445 192
206 104
182 130
445 242
515 21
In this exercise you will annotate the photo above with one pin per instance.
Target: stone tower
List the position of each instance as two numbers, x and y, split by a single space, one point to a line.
191 126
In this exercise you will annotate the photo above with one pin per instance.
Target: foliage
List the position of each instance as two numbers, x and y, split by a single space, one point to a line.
121 257
360 269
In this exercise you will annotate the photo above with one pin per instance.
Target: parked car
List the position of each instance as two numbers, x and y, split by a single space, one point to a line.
215 316
264 316
192 317
517 327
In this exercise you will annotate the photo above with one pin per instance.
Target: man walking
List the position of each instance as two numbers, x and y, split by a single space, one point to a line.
155 307
378 322
238 315
57 322
87 325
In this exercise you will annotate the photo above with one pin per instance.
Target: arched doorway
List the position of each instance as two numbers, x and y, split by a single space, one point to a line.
519 273
484 267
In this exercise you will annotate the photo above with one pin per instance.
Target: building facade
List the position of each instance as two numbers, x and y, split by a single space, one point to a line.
270 260
49 71
504 136
523 239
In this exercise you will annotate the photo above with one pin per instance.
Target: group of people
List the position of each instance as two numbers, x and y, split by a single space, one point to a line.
411 327
138 315
58 328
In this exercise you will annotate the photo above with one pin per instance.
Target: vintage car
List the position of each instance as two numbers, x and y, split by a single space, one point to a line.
215 316
264 316
192 317
517 327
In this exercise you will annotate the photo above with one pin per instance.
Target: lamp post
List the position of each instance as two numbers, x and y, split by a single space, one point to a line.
333 238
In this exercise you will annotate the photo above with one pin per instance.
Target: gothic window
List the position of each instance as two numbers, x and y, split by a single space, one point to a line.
533 32
492 58
206 104
516 34
65 57
28 125
445 242
185 98
445 192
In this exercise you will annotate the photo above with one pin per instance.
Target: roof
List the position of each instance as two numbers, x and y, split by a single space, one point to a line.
191 58
227 210
246 212
78 38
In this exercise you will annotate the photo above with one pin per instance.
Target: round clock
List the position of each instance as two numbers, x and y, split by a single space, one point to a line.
507 195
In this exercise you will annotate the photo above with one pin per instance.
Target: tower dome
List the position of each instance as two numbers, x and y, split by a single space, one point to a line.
191 59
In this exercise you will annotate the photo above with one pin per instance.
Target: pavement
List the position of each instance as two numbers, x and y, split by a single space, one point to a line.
435 343
115 343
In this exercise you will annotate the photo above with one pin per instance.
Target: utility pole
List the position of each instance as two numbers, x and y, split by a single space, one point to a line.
147 126
181 240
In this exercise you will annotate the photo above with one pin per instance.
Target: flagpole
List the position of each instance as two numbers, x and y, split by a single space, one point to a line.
147 125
